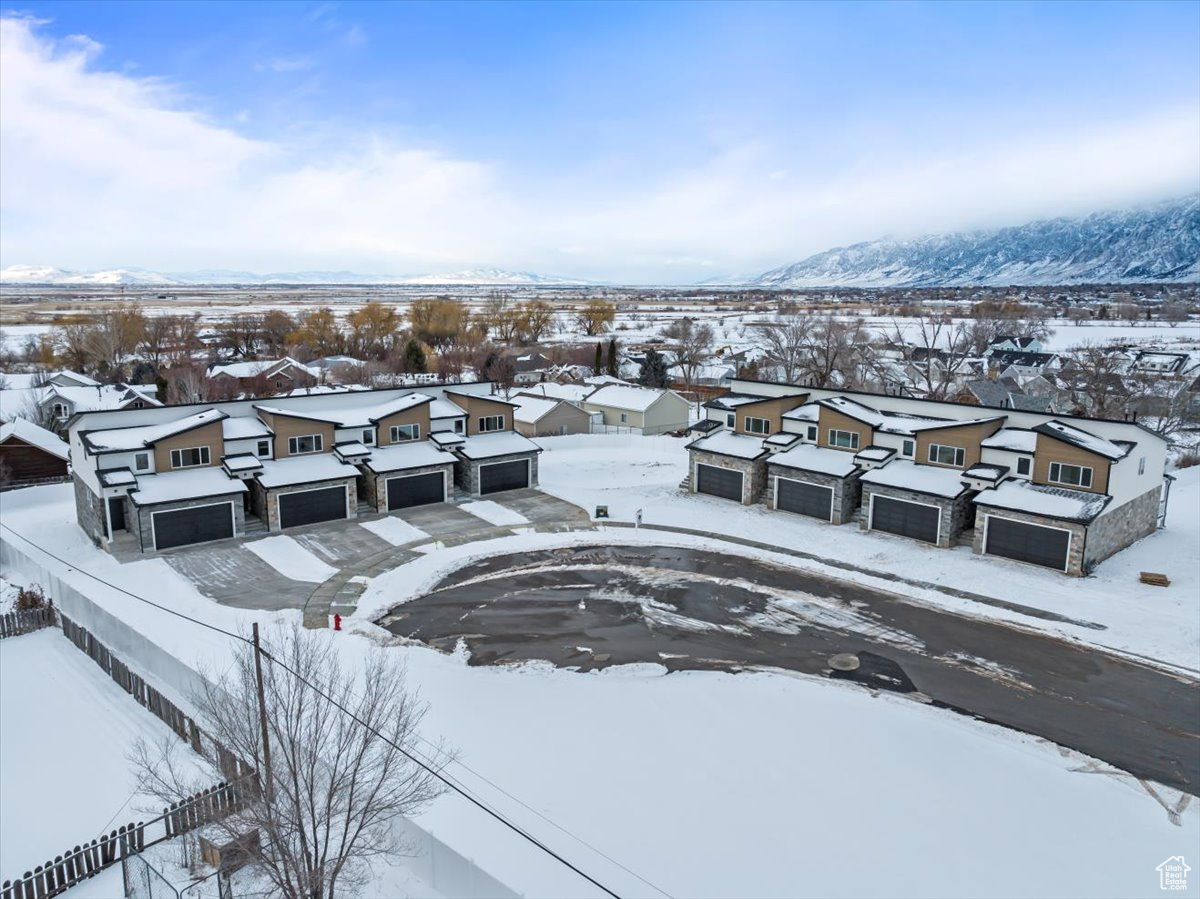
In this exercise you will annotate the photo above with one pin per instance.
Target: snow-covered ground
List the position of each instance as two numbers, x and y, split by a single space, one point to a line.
291 559
395 531
65 728
494 513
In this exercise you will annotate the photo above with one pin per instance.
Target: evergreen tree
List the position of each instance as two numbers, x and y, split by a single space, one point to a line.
414 357
653 371
598 364
614 368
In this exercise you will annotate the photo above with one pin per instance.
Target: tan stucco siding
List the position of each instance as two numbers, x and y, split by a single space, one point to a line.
286 426
771 409
831 419
418 415
1049 450
967 437
612 415
564 415
209 435
480 406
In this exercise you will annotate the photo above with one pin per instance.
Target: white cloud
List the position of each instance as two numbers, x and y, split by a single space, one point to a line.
99 169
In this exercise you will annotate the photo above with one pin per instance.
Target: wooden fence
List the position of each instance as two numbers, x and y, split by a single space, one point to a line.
81 862
26 620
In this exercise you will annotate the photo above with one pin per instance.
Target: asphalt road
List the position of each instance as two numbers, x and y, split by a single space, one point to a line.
685 609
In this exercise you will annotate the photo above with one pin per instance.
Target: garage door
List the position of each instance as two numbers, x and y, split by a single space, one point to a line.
199 524
719 482
906 519
1027 542
415 490
311 506
805 498
503 476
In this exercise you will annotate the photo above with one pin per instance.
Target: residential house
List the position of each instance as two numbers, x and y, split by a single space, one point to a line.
644 409
1023 365
58 403
541 416
531 368
1010 344
262 376
1054 490
160 478
30 454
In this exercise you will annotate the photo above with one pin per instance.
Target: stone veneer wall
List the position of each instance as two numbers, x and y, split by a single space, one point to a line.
847 491
376 484
144 525
466 471
273 494
957 513
89 512
1121 527
755 471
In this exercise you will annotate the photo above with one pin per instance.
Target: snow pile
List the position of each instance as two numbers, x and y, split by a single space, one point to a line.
291 559
494 513
394 530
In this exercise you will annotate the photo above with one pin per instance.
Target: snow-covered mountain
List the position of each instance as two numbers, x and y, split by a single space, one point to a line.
1158 243
43 274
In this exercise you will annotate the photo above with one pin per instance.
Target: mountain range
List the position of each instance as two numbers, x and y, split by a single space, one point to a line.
41 274
1157 243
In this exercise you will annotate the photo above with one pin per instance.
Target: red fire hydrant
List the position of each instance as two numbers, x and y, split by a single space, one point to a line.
337 621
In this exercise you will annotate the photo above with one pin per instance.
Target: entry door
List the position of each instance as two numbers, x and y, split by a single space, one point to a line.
116 513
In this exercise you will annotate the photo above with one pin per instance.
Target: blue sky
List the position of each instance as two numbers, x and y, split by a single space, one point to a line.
662 142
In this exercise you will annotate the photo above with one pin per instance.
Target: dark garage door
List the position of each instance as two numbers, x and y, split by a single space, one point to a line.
906 519
415 490
805 498
503 476
1027 542
719 482
311 506
198 524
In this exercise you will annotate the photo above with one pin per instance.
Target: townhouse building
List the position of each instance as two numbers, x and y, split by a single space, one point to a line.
158 478
1059 491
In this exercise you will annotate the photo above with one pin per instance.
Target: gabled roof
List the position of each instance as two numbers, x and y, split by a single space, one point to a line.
118 440
621 396
1052 502
174 486
501 443
34 435
344 415
929 479
1085 441
256 367
727 443
807 457
309 469
98 399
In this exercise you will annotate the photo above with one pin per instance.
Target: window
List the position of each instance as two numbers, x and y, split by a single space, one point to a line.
947 455
812 432
1142 465
189 458
731 420
264 449
624 418
844 439
907 449
458 426
402 433
757 425
309 443
60 410
491 423
368 436
1023 467
141 462
1070 475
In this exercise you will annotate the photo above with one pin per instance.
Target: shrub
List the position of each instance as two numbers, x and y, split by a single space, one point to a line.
1188 459
30 598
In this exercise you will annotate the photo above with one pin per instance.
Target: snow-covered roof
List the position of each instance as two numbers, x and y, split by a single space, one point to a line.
1017 440
1084 440
116 477
446 438
73 377
35 435
807 457
352 449
442 408
99 399
305 470
733 400
807 412
619 396
400 456
530 408
894 422
727 443
173 486
242 462
244 427
781 439
1053 502
906 475
875 453
502 443
984 471
256 367
345 415
572 393
115 440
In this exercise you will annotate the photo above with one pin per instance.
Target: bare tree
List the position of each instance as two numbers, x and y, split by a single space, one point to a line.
783 342
692 344
337 781
937 348
1095 377
832 351
241 335
1174 313
277 327
595 317
536 320
189 384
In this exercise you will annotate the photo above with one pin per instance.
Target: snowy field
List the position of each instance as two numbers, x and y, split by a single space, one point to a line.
64 730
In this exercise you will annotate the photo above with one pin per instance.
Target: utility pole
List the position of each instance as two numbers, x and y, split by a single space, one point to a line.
262 717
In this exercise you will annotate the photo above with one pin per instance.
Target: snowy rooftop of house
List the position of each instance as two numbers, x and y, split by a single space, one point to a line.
733 400
126 439
244 427
572 393
180 485
1016 440
242 462
875 453
727 443
1053 502
446 438
348 415
531 408
781 439
400 456
893 422
503 443
918 478
441 408
807 457
323 390
305 470
619 396
1084 440
352 449
807 412
102 398
34 435
117 477
984 471
254 368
